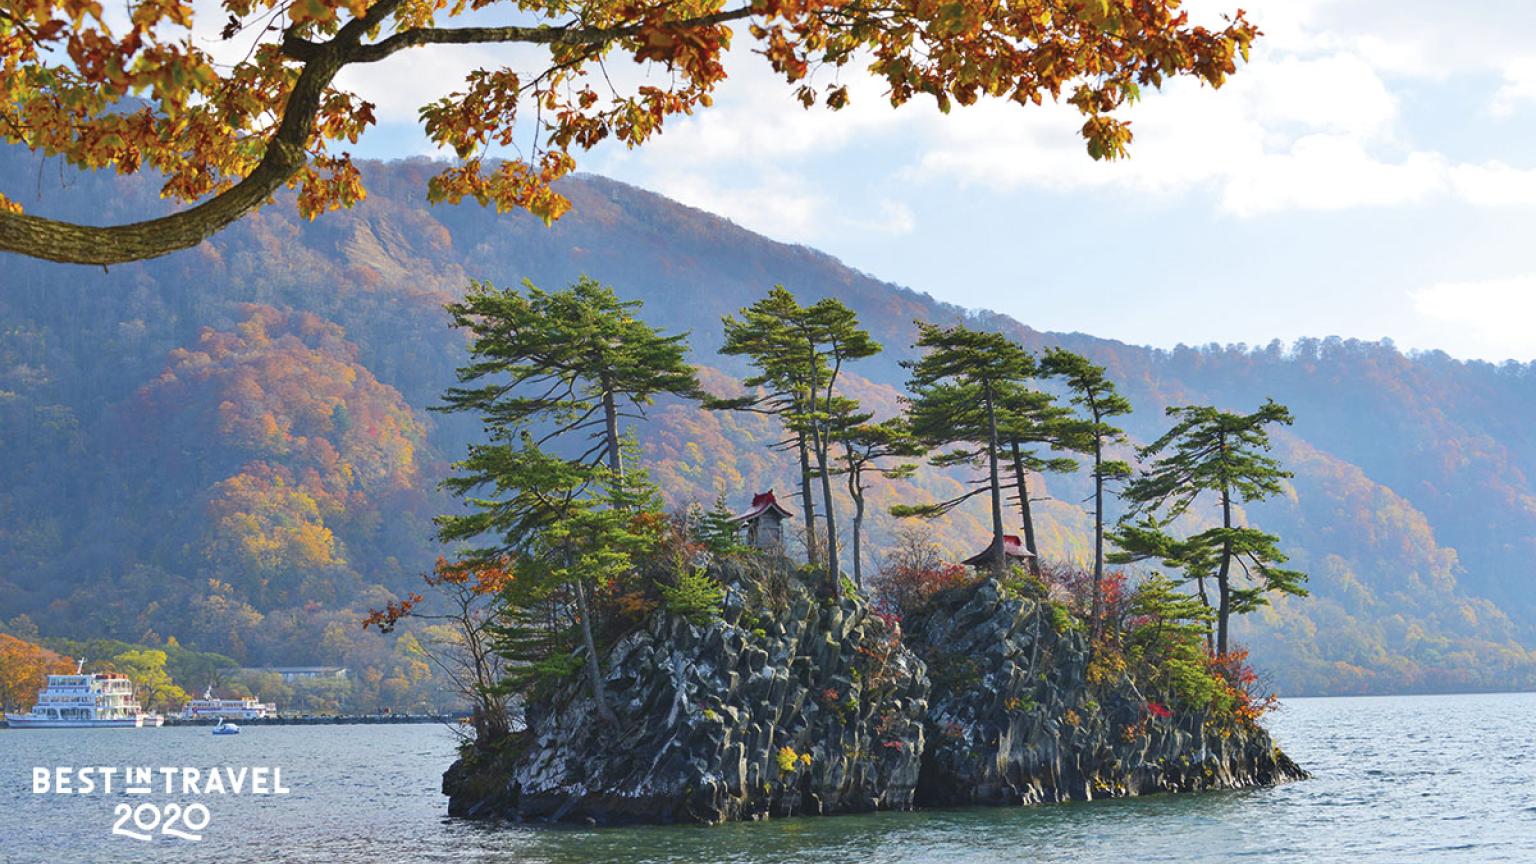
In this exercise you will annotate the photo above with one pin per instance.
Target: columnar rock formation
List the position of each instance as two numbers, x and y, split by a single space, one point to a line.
798 704
1014 718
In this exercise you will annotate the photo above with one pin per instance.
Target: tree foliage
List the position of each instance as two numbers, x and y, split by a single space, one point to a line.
1096 396
958 392
719 531
80 82
566 363
1031 419
152 683
546 368
1210 452
24 668
799 353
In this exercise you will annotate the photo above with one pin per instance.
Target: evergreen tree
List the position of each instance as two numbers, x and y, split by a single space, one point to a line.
576 360
1167 641
800 352
546 368
866 446
785 378
1032 418
1094 393
719 531
958 392
1220 453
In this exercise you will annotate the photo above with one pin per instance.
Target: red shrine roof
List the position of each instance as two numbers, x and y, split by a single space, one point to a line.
762 502
1013 547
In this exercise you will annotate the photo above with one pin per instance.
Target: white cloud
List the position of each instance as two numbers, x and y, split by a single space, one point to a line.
1490 319
1519 88
1287 133
1495 184
753 156
1329 172
779 205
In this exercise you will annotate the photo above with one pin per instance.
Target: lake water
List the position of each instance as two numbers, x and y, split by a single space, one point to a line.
1422 779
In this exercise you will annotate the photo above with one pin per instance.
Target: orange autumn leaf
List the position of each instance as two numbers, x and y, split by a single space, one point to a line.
80 84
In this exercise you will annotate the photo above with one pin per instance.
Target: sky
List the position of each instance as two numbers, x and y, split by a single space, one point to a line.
1370 173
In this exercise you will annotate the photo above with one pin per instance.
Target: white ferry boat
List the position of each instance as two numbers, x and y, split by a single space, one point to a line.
240 709
100 700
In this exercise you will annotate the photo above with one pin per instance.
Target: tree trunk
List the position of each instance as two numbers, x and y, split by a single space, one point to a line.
285 155
1025 513
1098 528
1210 642
594 672
821 445
807 503
1223 576
858 528
999 553
611 430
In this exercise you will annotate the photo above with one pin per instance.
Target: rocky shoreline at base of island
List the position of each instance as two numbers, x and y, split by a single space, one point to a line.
826 707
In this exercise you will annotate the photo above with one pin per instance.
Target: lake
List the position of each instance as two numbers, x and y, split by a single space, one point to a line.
1420 778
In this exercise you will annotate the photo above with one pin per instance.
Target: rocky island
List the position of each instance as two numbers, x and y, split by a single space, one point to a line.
827 706
633 664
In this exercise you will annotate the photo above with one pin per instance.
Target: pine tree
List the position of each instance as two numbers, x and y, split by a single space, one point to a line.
1168 641
1219 453
1094 393
958 391
549 374
577 360
866 446
719 531
1032 419
799 352
785 379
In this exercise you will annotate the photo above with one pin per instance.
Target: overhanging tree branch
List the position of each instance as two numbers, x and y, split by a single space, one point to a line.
286 153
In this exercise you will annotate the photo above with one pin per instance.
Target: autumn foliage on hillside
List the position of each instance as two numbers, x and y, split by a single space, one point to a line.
1410 468
281 479
24 668
298 445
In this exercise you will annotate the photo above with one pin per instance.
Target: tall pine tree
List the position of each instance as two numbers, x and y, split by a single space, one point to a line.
957 404
800 353
866 449
1033 420
1214 453
550 374
576 361
1095 395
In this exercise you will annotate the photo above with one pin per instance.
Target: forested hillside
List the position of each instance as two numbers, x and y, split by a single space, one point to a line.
231 445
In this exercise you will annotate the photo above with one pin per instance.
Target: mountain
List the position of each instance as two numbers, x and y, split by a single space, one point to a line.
231 445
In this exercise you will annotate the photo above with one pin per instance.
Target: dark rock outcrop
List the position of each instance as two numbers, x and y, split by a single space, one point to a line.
814 709
1013 718
817 707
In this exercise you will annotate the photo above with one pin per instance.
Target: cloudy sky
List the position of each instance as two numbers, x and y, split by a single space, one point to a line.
1372 173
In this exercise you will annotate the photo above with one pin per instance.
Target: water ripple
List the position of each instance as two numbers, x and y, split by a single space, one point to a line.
1427 779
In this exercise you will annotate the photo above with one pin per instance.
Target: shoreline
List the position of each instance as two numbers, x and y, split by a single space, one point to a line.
314 720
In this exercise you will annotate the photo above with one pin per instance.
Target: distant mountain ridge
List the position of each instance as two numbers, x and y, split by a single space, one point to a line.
167 466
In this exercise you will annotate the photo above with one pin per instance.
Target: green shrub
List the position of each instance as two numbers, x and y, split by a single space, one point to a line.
695 597
1062 619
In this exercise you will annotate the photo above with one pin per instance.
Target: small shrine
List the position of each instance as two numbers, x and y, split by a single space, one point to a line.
1013 550
764 521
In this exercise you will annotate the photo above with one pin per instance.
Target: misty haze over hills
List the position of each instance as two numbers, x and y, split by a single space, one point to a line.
231 445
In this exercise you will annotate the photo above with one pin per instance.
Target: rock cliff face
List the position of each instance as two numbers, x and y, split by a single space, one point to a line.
1013 718
817 707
